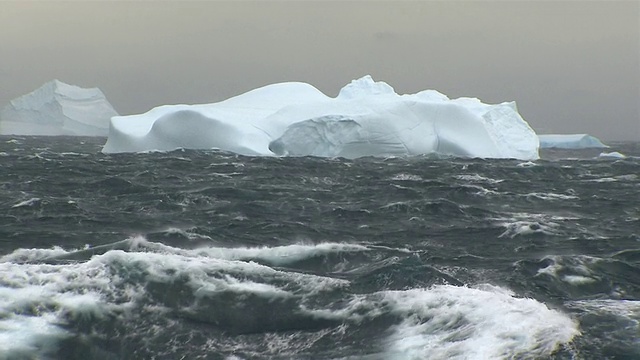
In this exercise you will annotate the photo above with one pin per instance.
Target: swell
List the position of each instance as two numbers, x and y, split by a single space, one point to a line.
203 253
127 299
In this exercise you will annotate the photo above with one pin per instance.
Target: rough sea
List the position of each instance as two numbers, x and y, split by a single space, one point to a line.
210 255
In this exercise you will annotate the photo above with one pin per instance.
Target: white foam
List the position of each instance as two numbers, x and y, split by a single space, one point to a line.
577 280
521 224
47 294
477 178
523 228
25 255
626 177
188 233
550 196
277 255
406 177
281 255
29 337
443 321
603 180
95 287
629 309
539 217
165 267
575 270
481 190
527 164
69 153
451 322
230 284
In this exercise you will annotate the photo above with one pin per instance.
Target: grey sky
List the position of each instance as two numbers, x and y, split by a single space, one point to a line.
572 66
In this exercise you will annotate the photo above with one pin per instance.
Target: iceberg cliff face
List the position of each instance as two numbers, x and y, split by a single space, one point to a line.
367 118
570 141
57 108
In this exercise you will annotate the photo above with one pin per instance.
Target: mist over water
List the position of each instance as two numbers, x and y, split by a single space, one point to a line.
205 254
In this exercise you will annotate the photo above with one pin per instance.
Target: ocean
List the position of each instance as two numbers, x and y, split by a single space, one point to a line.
210 255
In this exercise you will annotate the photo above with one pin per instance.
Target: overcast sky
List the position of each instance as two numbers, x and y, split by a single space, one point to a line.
572 66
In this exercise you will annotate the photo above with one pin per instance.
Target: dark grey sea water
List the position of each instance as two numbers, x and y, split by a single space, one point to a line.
209 255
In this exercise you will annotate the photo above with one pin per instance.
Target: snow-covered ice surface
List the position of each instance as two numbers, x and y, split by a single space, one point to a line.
367 118
55 109
570 141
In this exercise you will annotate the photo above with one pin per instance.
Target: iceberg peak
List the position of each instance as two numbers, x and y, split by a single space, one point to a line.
63 89
365 86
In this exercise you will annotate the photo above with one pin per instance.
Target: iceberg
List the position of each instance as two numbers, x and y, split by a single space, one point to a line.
367 118
570 141
57 108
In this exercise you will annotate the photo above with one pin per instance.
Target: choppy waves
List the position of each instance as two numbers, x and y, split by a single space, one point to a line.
137 292
194 254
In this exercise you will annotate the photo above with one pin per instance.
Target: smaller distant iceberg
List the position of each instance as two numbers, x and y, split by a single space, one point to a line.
56 109
612 155
570 141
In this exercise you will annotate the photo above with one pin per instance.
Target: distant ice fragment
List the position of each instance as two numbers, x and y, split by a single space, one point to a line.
570 141
57 108
614 155
30 202
367 118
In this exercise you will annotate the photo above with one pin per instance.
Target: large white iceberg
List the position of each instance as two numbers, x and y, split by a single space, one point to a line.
367 118
570 141
57 108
